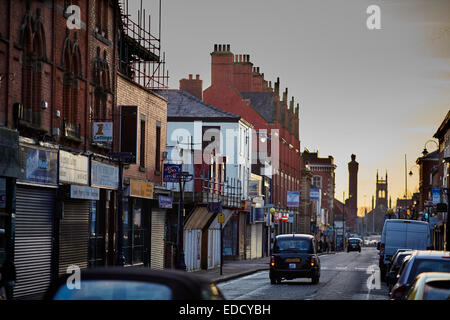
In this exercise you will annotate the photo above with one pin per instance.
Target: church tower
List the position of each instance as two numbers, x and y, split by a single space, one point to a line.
382 193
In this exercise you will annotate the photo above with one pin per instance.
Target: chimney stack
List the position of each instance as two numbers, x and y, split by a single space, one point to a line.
193 86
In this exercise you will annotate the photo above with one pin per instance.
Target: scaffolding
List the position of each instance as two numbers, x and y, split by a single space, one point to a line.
140 51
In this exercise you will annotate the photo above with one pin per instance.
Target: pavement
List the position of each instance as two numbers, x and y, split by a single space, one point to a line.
233 269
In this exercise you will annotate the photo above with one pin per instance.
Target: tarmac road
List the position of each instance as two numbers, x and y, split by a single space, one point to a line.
344 276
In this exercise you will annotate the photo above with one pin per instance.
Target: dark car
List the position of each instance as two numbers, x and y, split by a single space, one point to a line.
419 262
133 283
354 244
294 256
394 268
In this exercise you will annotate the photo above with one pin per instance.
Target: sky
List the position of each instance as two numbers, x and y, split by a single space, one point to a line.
380 94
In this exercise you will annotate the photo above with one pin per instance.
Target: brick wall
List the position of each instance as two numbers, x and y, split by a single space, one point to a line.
154 108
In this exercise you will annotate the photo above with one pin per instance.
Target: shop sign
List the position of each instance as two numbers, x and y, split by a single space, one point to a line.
84 192
165 202
314 194
104 175
293 198
73 168
170 172
141 189
436 195
38 165
253 188
103 132
291 216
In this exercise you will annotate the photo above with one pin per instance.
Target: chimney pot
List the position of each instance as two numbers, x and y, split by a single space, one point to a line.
215 47
228 47
190 77
197 77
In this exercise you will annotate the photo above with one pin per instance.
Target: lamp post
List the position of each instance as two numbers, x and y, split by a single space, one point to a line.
121 158
182 177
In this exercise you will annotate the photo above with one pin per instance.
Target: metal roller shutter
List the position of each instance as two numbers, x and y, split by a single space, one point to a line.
157 239
33 240
74 235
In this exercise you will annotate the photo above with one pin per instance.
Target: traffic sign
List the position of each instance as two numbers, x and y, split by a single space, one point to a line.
284 218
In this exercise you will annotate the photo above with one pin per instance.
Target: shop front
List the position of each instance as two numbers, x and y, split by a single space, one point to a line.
33 224
74 201
9 172
144 226
102 212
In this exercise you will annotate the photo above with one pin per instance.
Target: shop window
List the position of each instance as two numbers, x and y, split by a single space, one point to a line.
158 147
96 234
134 232
142 145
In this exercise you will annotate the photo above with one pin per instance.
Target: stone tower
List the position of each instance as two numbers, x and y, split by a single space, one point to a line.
382 193
353 191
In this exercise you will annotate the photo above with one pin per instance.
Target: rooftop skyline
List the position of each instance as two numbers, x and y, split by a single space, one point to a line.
379 94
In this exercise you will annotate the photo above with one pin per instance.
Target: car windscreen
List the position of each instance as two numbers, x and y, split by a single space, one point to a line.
353 241
292 245
399 259
428 265
115 290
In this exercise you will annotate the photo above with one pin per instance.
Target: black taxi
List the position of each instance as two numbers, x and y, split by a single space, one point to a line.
294 256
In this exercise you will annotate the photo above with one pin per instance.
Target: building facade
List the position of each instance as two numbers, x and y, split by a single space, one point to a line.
239 87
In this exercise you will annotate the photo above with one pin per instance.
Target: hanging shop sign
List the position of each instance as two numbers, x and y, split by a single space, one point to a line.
84 192
291 216
141 189
293 198
253 188
104 175
170 172
73 168
314 194
38 165
165 202
103 132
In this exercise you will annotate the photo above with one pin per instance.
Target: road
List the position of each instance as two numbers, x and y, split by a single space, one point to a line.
344 276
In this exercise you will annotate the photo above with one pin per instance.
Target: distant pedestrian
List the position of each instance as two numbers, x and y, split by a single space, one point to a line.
8 279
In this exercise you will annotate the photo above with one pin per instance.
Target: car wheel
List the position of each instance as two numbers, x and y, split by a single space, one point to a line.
273 281
315 280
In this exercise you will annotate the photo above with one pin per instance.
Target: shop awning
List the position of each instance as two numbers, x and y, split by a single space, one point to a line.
200 219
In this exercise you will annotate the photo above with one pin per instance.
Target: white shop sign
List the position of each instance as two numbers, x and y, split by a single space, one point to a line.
73 168
83 192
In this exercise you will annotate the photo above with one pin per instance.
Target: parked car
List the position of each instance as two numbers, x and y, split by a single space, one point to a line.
394 266
420 262
430 286
294 256
134 283
354 244
401 234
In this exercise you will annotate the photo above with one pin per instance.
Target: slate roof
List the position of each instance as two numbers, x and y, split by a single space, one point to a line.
262 102
182 105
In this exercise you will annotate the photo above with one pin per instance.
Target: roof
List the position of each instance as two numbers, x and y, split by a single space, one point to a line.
262 102
443 127
431 254
181 106
294 235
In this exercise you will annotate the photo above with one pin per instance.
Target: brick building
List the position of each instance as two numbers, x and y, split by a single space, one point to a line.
240 88
56 82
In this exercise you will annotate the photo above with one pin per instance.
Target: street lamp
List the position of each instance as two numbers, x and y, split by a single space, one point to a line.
182 177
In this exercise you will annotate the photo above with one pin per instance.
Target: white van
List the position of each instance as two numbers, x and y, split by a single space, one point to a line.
402 234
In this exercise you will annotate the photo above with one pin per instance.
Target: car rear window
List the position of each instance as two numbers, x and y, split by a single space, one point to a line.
428 265
437 290
292 245
353 241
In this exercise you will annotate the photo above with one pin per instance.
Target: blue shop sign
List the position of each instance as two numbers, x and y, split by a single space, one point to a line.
38 165
165 202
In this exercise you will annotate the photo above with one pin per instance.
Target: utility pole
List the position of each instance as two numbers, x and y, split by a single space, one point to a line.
182 177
